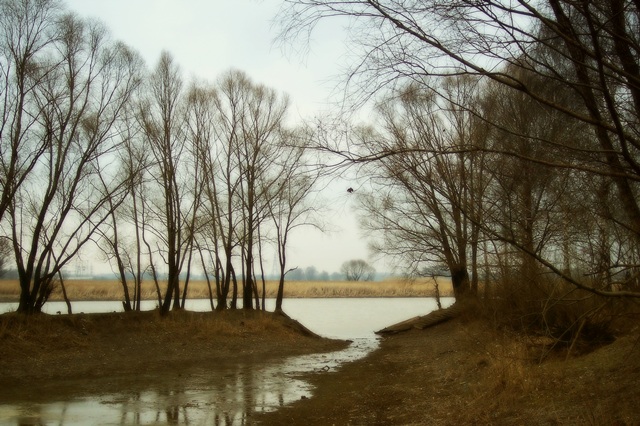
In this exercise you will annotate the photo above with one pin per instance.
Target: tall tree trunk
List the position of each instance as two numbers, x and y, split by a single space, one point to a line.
247 290
234 297
280 295
460 283
64 293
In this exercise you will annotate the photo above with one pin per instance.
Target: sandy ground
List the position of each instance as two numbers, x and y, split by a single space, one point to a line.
461 372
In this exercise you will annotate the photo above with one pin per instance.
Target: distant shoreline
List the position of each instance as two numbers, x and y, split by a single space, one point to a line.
111 290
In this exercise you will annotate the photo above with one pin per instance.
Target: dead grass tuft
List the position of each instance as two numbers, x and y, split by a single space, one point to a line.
29 334
225 323
567 320
511 366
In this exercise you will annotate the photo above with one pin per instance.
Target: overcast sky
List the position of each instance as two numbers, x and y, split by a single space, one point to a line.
209 37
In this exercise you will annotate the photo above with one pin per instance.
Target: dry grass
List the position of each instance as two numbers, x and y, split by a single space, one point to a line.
574 319
74 349
226 323
593 389
511 367
112 289
30 334
394 287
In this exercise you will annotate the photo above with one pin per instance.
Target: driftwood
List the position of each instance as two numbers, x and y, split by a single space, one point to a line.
429 320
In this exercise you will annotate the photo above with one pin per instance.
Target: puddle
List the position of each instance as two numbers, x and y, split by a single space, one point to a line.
229 395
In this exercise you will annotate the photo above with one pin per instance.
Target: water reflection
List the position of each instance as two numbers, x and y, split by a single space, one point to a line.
230 394
227 396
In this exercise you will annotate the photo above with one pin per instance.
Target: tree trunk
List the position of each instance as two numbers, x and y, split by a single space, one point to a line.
126 303
64 294
234 297
280 294
460 282
247 289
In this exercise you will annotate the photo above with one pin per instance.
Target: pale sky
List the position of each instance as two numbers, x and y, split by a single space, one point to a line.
209 37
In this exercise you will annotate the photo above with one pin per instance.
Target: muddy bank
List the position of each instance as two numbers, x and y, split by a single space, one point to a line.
85 353
459 372
465 372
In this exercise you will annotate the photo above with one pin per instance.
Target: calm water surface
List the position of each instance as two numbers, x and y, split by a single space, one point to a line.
227 394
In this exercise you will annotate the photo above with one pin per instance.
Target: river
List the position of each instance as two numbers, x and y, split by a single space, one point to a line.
230 393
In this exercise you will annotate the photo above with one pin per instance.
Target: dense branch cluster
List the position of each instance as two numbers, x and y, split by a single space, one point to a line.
507 143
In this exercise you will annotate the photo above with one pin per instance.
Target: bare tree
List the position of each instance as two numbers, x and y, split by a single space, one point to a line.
249 120
121 239
6 251
290 208
162 120
424 200
222 189
215 236
257 150
357 270
584 51
245 157
28 30
84 87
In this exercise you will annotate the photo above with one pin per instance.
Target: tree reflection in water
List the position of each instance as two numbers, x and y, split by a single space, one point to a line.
223 396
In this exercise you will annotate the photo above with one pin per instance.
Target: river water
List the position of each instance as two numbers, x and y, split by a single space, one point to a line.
227 394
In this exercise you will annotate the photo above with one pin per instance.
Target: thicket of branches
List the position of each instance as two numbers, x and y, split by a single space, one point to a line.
508 147
160 174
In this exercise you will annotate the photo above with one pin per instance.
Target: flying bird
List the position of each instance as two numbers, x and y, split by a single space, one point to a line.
350 190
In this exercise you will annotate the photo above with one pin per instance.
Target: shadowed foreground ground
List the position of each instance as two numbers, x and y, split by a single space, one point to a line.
459 372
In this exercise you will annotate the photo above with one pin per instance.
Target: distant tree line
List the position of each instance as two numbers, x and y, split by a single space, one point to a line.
311 273
351 270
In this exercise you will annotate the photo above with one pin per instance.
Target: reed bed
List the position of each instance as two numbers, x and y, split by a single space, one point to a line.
112 289
397 287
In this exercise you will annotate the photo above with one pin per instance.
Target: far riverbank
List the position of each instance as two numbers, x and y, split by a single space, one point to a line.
112 290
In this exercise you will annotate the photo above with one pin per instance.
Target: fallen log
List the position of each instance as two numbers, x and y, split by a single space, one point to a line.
425 321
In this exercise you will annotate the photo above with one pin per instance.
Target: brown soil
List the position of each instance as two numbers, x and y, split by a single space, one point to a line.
465 372
459 372
83 353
